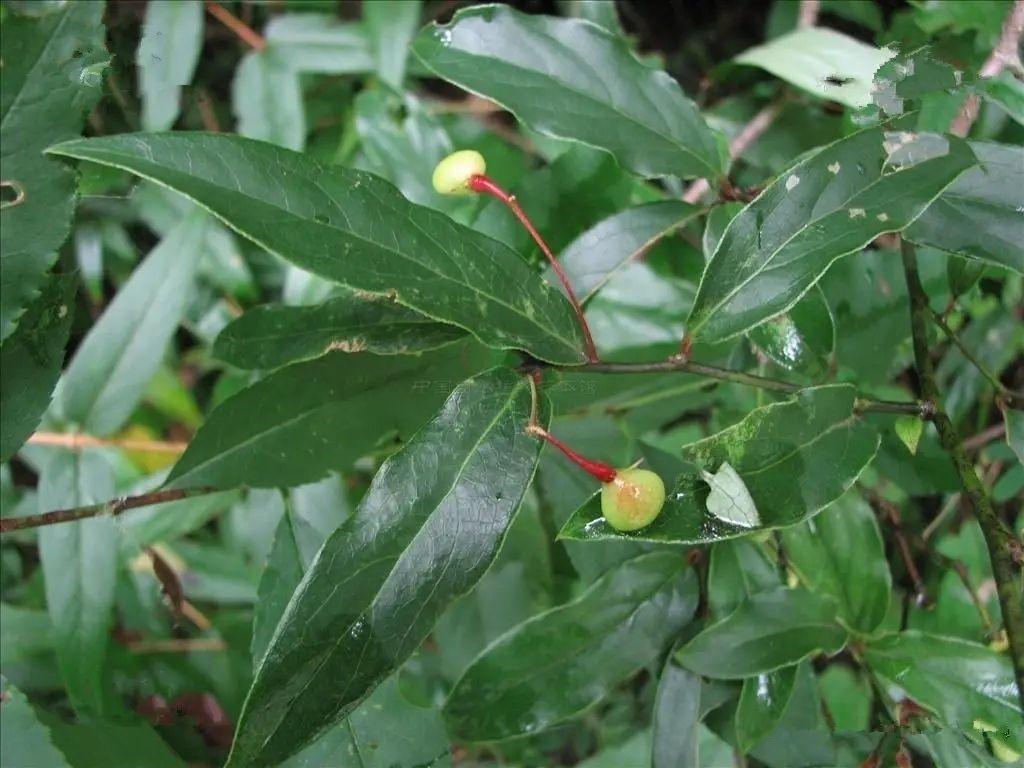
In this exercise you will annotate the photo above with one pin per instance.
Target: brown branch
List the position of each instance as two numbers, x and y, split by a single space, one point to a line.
1006 55
751 132
246 33
1003 546
985 437
808 15
112 508
77 442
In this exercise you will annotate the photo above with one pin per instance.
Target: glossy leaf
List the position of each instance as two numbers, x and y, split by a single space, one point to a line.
823 62
560 662
111 367
909 429
841 553
677 716
30 362
313 513
386 731
1007 91
763 701
172 37
825 207
320 42
267 101
959 681
24 740
571 79
307 418
391 25
51 77
771 630
425 532
979 216
802 339
794 457
79 562
356 229
272 336
739 569
596 256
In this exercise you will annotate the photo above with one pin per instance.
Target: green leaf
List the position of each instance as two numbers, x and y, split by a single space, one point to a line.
1015 432
763 702
771 630
596 256
802 339
962 274
319 42
425 532
24 741
314 511
122 351
909 77
794 458
30 362
24 632
401 141
739 569
677 715
356 229
172 37
79 562
825 207
957 680
572 79
908 429
560 662
391 25
385 732
1007 91
848 697
272 335
51 77
100 745
810 57
267 101
841 553
311 417
979 216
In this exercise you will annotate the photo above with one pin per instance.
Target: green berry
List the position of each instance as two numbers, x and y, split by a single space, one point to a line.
633 499
452 175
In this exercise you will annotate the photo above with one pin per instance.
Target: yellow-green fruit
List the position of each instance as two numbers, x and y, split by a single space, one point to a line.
633 499
452 175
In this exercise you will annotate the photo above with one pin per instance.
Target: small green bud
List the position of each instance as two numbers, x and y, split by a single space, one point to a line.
633 499
452 175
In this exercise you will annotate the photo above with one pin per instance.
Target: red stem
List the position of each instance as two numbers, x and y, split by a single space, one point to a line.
603 473
484 185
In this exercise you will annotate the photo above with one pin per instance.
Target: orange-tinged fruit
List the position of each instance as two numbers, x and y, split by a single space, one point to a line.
633 499
452 175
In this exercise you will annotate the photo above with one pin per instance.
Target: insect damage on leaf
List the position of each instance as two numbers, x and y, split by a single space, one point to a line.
729 499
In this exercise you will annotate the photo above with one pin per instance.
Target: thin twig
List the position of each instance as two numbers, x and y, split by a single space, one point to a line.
1006 55
985 437
246 33
808 15
177 645
678 365
1003 547
75 441
1016 397
112 508
947 509
751 132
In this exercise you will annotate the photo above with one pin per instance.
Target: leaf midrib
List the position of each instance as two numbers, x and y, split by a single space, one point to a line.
548 333
672 141
328 655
